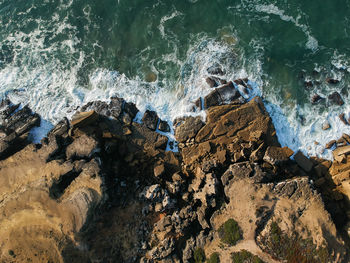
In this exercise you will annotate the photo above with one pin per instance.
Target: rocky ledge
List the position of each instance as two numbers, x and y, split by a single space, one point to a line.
102 188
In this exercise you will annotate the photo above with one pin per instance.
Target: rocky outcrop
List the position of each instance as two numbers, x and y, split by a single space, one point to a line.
102 188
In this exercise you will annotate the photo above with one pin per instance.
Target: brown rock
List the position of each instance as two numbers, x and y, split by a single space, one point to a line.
82 119
342 118
326 126
82 147
163 126
277 155
316 99
159 170
188 128
211 82
332 81
303 161
335 98
330 144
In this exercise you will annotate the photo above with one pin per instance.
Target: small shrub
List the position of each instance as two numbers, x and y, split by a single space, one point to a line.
245 256
293 248
214 258
199 255
230 232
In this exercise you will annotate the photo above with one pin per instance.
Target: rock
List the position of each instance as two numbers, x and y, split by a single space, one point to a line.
150 119
308 84
164 249
316 99
330 144
276 155
239 170
188 250
83 119
21 121
7 108
60 129
341 150
242 82
82 147
159 170
163 126
211 82
346 137
326 125
258 154
303 161
335 98
130 109
188 128
115 107
215 70
342 118
332 81
223 95
201 218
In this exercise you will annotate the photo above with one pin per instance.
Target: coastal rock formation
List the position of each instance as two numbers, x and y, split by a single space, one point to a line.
102 188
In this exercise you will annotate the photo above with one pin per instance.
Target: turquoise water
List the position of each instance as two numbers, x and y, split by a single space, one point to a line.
57 55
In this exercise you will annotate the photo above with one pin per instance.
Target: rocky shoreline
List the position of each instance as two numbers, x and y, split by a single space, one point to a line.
102 187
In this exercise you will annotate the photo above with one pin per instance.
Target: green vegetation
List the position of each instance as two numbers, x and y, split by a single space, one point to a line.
199 255
293 249
230 232
245 256
214 258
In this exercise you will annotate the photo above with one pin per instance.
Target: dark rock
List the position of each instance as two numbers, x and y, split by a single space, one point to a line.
99 107
198 103
6 109
308 84
131 109
83 119
345 91
332 81
223 95
21 121
61 128
116 106
212 99
342 118
127 119
239 170
215 70
303 161
316 99
188 128
163 126
150 119
242 82
335 98
211 82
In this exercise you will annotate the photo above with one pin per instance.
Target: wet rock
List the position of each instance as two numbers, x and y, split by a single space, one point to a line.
330 144
6 109
115 107
326 125
335 98
188 128
276 155
130 109
342 118
223 95
215 70
150 119
316 99
60 129
21 121
242 82
163 126
83 119
211 82
303 161
332 81
308 84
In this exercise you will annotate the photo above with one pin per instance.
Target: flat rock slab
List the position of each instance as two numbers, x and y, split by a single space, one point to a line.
83 119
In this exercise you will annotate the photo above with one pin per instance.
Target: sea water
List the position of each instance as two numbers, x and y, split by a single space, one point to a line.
56 55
